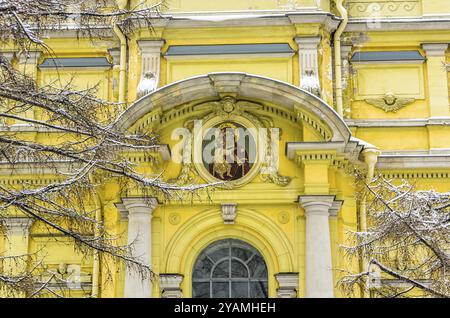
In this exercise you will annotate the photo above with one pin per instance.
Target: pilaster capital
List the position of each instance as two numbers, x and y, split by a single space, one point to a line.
309 42
317 204
170 285
435 49
140 205
150 46
287 285
18 225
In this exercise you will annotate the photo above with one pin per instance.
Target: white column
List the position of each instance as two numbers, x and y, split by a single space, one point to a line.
308 63
319 275
170 285
140 213
437 79
287 285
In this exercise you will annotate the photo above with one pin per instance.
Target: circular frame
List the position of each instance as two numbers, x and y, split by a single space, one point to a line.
197 150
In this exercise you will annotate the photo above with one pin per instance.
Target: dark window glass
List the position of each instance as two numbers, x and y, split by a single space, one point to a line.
230 269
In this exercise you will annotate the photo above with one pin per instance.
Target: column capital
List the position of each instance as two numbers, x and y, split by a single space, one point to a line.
18 225
150 46
115 54
308 42
140 205
170 285
288 285
435 49
316 204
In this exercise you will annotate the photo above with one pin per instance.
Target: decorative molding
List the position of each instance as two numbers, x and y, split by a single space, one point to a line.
287 285
229 212
170 285
382 8
390 102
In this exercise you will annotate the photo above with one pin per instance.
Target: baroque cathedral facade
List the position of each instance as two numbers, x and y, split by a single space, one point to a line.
296 94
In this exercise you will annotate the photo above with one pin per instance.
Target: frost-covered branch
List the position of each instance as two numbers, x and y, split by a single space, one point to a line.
407 241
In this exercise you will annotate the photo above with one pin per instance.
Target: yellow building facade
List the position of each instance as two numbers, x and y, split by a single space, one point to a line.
375 97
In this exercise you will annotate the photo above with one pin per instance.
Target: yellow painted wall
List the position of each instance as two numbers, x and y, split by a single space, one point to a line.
268 216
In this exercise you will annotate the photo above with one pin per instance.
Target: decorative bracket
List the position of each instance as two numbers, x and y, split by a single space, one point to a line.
229 212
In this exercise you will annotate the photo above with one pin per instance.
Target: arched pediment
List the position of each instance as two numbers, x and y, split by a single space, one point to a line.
215 86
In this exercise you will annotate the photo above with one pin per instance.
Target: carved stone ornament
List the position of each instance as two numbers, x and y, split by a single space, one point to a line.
229 212
390 102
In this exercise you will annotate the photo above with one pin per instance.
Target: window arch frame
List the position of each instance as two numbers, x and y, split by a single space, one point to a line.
261 279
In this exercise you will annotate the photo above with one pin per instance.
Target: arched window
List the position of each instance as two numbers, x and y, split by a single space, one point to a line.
229 269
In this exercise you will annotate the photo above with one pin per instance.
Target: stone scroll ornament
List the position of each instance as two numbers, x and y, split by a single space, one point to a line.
227 108
390 102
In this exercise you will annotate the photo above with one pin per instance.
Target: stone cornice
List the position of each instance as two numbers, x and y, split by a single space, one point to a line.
413 161
252 18
247 19
407 122
426 23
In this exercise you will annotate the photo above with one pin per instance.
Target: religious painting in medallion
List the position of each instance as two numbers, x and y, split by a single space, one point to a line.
228 151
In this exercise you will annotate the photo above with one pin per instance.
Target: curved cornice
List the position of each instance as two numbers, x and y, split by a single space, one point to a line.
214 86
